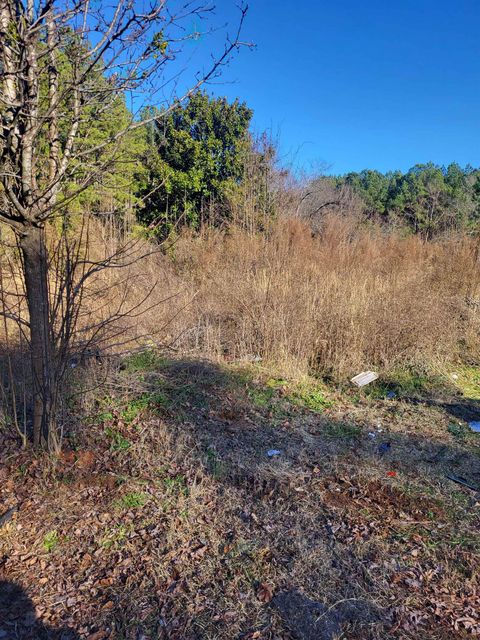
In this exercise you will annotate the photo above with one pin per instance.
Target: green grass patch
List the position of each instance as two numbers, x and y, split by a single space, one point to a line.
129 411
310 396
261 397
132 500
342 431
150 401
143 361
278 395
467 381
405 382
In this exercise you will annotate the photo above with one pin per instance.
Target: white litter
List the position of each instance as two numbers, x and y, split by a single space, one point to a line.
272 453
364 378
474 426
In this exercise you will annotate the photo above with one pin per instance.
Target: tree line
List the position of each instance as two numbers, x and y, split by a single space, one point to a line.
189 168
427 199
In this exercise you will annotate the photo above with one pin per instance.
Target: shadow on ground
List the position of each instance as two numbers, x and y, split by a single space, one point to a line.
238 421
18 619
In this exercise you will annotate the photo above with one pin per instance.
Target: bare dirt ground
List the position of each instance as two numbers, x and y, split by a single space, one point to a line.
167 519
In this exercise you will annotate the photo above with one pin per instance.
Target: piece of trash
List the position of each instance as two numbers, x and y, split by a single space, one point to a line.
474 426
384 448
372 435
391 474
463 482
455 376
364 378
272 453
391 394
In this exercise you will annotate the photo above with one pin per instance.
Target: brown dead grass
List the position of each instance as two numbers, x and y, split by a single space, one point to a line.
342 301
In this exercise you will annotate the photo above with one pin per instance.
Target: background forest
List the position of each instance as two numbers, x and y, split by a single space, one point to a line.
194 167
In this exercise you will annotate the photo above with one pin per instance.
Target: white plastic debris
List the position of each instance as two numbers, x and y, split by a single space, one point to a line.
364 378
372 435
273 453
474 426
455 376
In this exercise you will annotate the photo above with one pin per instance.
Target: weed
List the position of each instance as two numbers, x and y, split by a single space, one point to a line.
186 394
147 360
119 442
342 430
457 430
132 500
133 409
114 537
23 469
276 383
176 485
214 465
105 416
50 540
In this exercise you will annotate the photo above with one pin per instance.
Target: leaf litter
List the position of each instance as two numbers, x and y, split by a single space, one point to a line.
210 549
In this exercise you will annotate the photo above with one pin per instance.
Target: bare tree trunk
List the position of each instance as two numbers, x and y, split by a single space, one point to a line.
35 259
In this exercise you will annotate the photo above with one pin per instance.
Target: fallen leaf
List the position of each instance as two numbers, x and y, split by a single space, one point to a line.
67 456
98 635
86 460
264 592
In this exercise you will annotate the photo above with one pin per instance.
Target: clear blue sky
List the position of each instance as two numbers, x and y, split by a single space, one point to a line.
356 84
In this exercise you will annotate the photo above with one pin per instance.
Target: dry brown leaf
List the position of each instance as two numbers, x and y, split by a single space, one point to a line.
86 460
98 635
265 592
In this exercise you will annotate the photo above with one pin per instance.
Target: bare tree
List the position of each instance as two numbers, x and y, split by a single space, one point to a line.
322 196
63 64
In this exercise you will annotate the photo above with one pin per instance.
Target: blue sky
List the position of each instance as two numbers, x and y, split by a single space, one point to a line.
358 84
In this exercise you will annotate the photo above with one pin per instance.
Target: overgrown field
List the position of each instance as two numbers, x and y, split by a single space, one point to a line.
329 303
332 303
166 518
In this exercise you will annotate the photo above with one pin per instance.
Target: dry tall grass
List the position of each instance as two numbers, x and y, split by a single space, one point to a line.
337 302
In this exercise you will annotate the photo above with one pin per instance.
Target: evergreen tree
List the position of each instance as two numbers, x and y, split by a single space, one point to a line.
195 155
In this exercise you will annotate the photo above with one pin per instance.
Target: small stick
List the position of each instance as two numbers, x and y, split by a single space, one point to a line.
463 482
